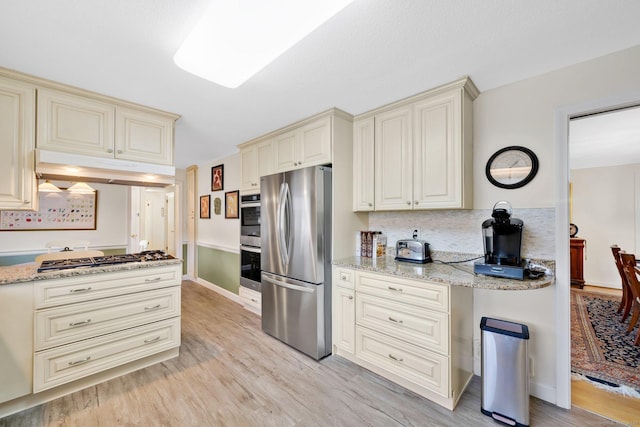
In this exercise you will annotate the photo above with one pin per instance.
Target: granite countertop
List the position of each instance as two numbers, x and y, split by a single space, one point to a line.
452 274
29 272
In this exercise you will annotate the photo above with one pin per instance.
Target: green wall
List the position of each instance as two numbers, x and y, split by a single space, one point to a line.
184 259
219 267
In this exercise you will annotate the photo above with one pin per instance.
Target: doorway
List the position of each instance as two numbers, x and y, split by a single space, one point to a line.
571 157
153 220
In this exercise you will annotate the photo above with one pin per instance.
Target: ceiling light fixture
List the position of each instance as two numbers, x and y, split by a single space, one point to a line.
236 39
48 187
81 188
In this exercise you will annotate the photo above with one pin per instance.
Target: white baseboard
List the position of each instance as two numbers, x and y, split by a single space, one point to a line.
225 293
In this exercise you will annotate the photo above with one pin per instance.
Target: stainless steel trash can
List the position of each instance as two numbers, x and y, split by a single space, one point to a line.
505 371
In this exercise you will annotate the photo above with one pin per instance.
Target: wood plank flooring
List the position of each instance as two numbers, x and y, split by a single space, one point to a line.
229 373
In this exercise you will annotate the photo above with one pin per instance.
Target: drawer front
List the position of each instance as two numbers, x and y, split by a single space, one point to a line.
65 324
70 362
421 294
343 277
49 293
251 300
425 328
421 367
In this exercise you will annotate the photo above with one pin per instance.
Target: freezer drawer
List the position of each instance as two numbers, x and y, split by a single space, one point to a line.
294 312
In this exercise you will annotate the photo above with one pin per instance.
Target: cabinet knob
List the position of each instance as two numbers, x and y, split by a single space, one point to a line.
119 151
416 202
370 204
350 296
408 202
26 202
109 150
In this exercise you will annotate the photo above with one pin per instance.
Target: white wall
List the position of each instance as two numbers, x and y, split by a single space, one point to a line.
604 209
523 113
219 232
111 230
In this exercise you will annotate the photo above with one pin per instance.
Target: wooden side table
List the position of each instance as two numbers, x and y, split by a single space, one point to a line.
577 261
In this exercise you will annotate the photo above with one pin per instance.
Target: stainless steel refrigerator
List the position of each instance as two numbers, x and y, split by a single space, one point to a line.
295 229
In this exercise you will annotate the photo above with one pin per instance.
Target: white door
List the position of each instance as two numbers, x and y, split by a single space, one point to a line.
192 181
134 220
170 244
154 218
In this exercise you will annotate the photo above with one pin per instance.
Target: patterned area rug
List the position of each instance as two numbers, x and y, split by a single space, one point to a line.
600 348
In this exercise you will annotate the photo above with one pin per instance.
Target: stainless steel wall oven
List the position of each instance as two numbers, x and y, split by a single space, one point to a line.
250 241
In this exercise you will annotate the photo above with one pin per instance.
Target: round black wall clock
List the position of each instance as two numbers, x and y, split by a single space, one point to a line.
512 167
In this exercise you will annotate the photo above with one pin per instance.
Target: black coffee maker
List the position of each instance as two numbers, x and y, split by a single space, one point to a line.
502 242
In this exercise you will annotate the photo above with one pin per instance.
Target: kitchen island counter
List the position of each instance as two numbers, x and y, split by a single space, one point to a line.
457 274
28 272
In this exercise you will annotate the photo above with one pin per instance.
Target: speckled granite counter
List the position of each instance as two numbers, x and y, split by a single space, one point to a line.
29 272
453 274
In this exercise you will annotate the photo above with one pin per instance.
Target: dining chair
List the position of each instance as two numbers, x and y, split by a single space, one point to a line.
631 271
627 297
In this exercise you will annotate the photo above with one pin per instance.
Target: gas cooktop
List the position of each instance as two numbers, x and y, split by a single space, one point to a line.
64 264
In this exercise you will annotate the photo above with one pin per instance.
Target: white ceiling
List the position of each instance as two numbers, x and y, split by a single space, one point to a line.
606 139
372 53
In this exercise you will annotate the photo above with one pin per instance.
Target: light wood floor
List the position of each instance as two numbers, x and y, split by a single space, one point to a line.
609 404
230 373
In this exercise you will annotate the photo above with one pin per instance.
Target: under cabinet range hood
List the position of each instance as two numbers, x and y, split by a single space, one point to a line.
59 166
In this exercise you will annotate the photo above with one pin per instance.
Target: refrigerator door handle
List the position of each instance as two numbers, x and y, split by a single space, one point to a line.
284 219
287 285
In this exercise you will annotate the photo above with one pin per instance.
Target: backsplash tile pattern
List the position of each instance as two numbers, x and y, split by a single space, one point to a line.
461 230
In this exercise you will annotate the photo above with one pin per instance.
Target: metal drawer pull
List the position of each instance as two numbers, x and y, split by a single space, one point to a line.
254 300
397 359
84 322
153 280
80 290
80 362
152 307
394 320
391 288
152 340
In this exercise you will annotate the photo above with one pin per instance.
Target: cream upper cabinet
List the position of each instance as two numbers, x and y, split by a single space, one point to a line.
75 124
143 137
17 142
256 160
307 145
81 125
393 160
363 164
423 151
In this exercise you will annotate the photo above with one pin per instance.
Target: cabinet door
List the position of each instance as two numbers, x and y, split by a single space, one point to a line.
393 165
249 168
143 137
437 152
17 126
363 164
284 151
74 124
344 319
16 340
256 160
315 143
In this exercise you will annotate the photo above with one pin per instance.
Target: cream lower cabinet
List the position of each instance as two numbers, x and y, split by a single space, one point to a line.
344 313
93 127
18 190
90 323
415 333
16 343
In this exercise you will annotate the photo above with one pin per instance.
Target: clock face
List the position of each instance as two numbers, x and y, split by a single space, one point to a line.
512 167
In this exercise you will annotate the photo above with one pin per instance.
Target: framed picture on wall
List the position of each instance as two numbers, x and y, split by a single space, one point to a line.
231 204
217 178
205 206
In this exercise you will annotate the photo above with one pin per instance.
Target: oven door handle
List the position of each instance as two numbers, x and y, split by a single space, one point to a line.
250 249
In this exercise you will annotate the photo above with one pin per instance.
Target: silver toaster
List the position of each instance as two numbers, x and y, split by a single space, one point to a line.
413 250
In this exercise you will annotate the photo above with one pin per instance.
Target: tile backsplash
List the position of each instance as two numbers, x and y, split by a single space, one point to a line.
461 230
